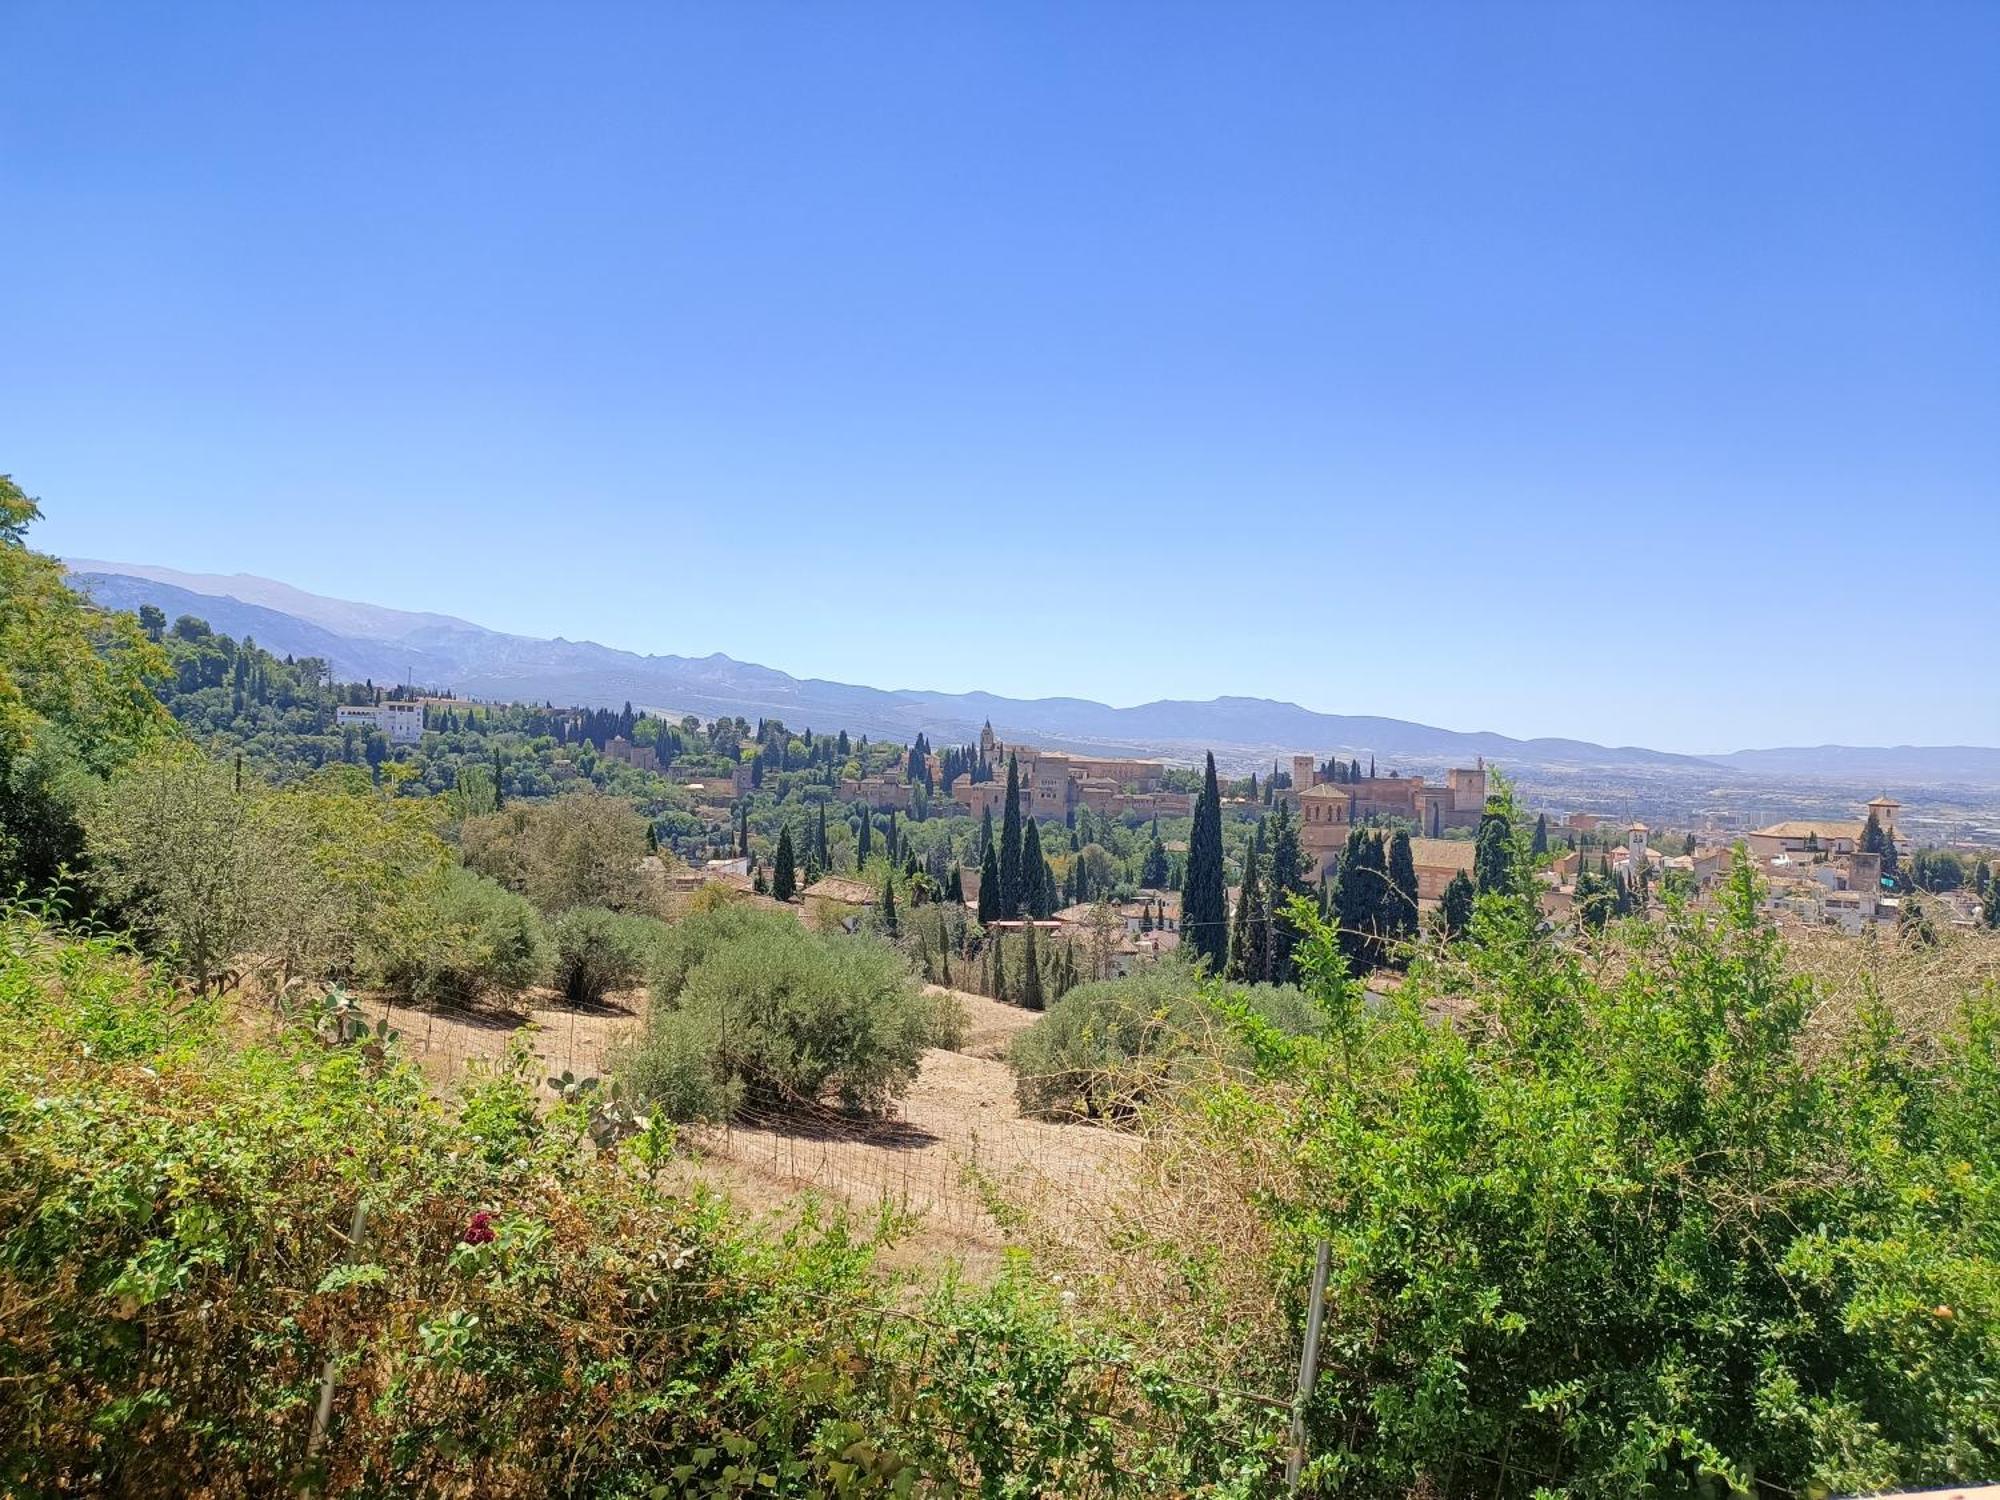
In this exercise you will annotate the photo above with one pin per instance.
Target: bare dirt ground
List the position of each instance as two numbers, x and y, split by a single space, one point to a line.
956 1139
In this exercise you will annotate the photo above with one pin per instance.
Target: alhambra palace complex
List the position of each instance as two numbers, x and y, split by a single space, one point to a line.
1055 783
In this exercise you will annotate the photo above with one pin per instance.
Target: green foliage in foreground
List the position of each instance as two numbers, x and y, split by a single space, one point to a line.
1106 1048
521 1316
1635 1237
750 1007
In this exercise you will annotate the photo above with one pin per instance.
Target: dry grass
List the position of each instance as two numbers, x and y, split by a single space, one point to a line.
955 1152
1922 987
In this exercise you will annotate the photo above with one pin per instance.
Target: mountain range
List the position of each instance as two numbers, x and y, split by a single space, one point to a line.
367 641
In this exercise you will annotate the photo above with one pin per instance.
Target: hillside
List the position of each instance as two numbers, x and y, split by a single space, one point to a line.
370 641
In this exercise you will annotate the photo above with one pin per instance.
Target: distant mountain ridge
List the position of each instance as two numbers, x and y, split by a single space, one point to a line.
391 645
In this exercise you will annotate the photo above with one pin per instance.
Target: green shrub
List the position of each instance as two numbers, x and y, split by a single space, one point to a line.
595 951
1623 1228
472 939
783 1017
1107 1047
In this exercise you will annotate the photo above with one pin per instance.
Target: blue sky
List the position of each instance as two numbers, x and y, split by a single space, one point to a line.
1630 372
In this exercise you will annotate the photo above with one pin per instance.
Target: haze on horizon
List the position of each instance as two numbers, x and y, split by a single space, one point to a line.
1613 372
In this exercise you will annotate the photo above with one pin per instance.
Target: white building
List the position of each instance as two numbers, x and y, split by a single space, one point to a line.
401 723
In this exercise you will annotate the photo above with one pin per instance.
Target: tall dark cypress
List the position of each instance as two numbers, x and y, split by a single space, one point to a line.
1031 971
1493 852
1284 879
864 838
1399 896
1011 891
1204 894
989 886
1034 874
1246 933
784 874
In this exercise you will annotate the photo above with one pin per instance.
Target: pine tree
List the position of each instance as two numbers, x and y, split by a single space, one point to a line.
784 878
1246 933
989 886
1204 895
1011 892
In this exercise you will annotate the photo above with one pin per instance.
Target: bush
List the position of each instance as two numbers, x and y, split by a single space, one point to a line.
750 1006
595 951
1107 1047
580 849
1622 1227
472 939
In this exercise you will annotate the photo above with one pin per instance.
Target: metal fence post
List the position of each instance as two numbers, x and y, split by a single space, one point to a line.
1308 1368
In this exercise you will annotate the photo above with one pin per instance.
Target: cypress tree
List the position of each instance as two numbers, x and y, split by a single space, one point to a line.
1031 970
1493 854
1204 894
1246 934
999 969
784 878
1034 873
1285 878
1400 891
1358 898
989 887
1540 846
1011 892
1155 874
864 838
1456 907
889 902
954 886
985 833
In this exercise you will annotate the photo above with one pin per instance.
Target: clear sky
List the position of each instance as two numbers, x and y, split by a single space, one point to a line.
1624 371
